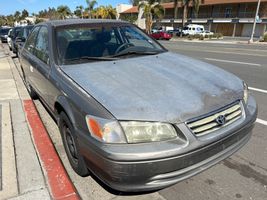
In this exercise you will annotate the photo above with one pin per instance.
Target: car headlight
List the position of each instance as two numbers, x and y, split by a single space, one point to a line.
245 96
104 130
137 132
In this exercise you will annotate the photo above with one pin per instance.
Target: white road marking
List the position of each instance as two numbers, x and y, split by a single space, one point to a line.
230 61
258 90
219 52
260 121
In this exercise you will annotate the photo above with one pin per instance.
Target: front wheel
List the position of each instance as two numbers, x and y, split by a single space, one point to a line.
70 143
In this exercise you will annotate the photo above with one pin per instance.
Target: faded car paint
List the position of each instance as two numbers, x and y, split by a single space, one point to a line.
164 87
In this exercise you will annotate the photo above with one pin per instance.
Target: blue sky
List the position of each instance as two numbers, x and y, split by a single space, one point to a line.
10 6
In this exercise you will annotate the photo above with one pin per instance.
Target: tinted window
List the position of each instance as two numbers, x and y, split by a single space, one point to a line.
25 31
41 47
31 40
4 31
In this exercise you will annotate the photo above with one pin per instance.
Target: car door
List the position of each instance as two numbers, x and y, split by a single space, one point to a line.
27 57
43 69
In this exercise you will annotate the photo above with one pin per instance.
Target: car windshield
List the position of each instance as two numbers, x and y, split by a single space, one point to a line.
94 43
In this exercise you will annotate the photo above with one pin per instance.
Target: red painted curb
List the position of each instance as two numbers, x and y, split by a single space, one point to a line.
60 185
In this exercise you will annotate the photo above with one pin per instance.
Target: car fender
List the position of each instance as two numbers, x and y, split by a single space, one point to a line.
64 103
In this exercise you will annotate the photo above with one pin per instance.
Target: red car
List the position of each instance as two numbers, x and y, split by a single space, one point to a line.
161 35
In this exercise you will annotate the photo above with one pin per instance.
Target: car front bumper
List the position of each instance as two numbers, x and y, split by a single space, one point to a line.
130 170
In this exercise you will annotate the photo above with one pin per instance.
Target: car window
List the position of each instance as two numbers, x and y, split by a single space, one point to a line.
41 46
17 31
134 37
4 31
29 45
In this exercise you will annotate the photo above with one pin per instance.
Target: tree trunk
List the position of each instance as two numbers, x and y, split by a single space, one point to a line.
151 22
184 21
176 9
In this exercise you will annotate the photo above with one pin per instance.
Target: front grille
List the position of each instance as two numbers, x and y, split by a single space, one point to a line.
208 124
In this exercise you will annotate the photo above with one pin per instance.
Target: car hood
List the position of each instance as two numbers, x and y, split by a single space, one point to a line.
166 87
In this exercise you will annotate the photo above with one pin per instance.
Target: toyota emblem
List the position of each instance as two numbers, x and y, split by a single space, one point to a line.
220 120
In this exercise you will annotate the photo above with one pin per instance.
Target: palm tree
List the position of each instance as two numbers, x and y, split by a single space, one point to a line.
152 9
185 4
63 11
91 4
79 11
105 12
17 16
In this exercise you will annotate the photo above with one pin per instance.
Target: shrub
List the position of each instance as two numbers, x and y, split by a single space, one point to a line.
201 37
265 37
190 37
197 36
217 35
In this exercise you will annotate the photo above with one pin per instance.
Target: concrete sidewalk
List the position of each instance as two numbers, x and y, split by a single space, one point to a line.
21 174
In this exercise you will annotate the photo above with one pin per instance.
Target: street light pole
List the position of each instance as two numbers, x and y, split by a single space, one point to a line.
255 22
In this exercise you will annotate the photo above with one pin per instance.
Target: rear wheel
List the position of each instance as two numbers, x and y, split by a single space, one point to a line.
70 143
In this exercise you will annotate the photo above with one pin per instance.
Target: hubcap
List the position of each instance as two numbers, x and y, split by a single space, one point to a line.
71 144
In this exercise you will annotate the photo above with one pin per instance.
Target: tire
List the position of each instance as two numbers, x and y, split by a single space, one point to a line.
31 91
70 143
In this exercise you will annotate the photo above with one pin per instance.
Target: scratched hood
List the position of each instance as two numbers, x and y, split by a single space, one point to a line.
167 87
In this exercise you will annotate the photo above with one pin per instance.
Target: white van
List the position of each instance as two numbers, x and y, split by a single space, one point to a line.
193 29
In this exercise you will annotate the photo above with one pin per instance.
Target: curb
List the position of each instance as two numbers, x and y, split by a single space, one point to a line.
60 185
9 187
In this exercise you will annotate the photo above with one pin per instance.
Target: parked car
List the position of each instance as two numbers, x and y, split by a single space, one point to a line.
176 32
3 34
134 114
192 29
14 35
22 36
161 35
206 33
9 39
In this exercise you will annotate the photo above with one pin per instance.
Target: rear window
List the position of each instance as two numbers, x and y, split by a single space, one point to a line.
4 31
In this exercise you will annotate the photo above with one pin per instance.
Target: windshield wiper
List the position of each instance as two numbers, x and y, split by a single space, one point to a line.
136 53
90 59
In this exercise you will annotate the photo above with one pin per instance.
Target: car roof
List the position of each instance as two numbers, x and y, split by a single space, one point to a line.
66 22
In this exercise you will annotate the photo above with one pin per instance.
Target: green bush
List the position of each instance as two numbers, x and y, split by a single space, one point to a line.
265 37
191 37
201 37
217 35
197 36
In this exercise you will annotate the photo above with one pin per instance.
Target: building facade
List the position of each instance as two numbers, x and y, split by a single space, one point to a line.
229 17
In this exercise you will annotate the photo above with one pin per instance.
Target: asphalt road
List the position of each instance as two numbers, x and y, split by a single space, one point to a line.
242 176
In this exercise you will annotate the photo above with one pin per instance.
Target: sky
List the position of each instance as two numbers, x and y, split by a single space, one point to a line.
11 6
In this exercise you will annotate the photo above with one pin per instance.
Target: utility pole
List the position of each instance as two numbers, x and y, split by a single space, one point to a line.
255 22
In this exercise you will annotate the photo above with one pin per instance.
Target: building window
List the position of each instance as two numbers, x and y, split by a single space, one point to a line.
228 12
